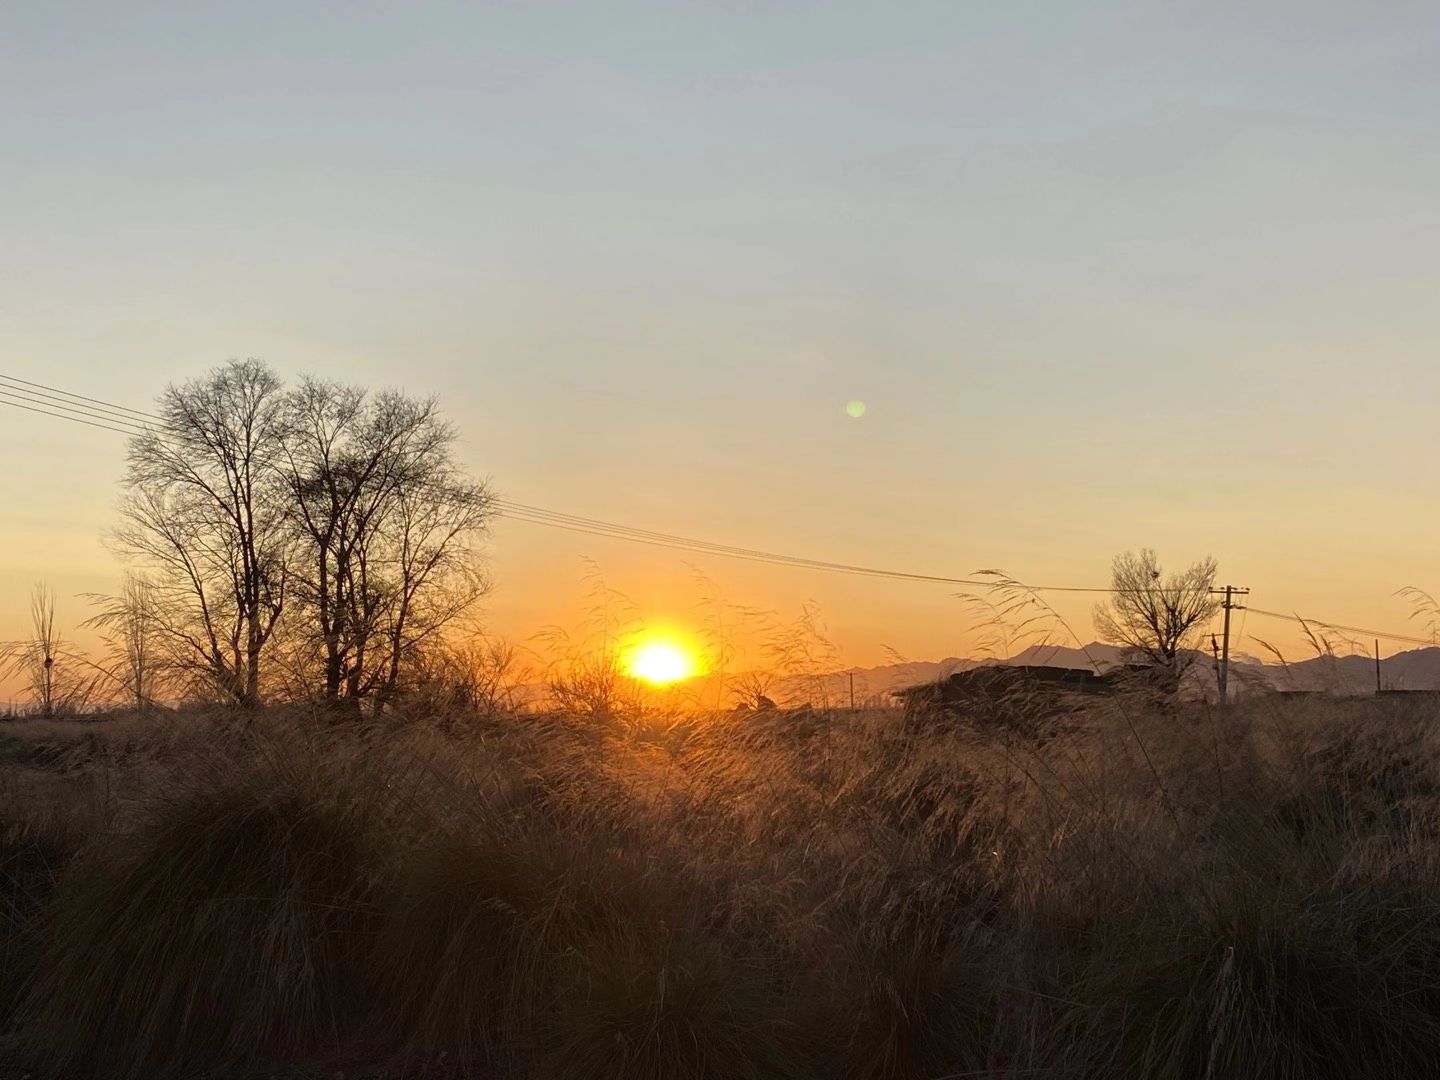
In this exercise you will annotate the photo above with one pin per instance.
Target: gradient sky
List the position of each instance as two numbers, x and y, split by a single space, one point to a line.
1106 275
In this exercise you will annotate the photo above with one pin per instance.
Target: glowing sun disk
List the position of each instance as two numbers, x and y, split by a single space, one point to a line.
661 662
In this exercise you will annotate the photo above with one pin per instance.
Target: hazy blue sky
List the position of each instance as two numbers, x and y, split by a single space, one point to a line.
1106 275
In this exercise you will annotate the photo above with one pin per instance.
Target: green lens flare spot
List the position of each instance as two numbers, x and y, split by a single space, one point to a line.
855 409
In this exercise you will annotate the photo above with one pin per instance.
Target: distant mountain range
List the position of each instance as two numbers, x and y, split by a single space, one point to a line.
1416 669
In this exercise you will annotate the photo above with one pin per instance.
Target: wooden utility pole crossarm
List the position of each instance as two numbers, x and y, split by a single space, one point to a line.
1230 592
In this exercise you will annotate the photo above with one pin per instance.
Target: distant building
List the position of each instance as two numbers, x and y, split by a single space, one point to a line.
1037 687
994 682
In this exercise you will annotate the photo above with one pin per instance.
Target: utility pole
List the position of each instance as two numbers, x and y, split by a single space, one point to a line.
1377 665
852 691
1229 605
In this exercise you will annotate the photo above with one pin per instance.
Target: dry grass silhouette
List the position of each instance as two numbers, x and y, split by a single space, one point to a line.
532 869
1131 893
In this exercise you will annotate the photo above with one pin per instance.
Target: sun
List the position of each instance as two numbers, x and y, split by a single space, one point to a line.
661 662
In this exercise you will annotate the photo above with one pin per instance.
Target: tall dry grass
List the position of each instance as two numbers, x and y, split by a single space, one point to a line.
1112 892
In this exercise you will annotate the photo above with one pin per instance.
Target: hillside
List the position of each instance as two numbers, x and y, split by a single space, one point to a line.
1415 669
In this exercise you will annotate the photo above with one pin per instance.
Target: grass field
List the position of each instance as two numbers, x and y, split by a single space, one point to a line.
1118 891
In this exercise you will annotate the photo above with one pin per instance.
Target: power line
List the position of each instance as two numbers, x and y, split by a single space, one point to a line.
540 516
62 416
536 515
81 397
94 412
1240 630
10 396
584 522
74 401
1360 630
575 523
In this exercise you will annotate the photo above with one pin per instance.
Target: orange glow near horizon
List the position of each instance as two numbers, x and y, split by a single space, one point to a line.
661 661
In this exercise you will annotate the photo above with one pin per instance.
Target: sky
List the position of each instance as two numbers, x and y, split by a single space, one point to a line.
1105 275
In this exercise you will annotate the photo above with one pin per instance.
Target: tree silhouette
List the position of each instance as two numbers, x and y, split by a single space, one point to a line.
1157 617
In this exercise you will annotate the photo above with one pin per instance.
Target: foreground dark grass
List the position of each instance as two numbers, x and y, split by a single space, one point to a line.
1115 893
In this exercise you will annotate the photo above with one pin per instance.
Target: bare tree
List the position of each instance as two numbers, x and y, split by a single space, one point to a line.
203 514
44 644
752 689
384 526
1157 617
60 680
130 625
